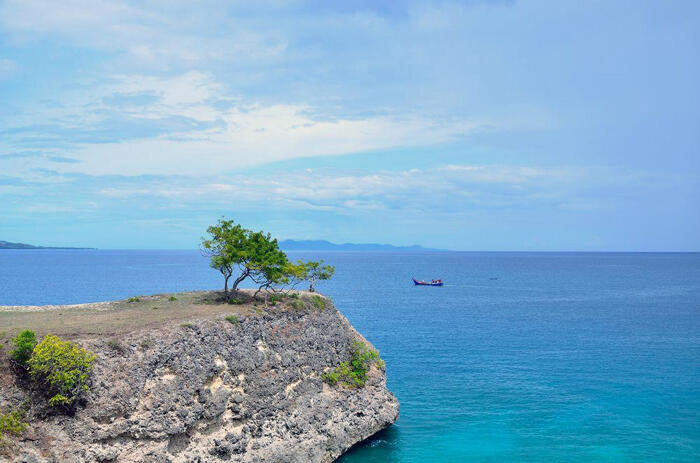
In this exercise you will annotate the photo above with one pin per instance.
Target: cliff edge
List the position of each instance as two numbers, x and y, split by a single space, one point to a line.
201 382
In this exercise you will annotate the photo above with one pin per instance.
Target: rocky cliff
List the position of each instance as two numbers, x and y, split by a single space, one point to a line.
209 390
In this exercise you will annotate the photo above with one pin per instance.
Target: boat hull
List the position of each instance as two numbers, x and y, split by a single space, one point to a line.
426 283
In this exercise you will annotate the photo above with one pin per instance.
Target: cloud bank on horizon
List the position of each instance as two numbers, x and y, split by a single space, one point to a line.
485 125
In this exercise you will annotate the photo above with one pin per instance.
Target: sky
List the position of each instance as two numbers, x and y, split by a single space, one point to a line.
473 125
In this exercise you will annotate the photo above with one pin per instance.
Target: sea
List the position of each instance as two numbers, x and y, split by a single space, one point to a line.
520 357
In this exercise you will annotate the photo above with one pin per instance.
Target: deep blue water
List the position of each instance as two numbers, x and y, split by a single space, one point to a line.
520 357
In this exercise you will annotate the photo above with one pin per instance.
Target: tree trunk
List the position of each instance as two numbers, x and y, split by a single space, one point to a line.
226 287
238 280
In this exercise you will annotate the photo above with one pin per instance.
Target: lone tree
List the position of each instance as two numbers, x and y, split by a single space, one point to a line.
313 271
234 250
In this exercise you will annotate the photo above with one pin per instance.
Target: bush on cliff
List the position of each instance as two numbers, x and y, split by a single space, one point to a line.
63 368
354 373
24 345
12 423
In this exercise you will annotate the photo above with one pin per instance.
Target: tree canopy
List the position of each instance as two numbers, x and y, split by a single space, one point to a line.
242 254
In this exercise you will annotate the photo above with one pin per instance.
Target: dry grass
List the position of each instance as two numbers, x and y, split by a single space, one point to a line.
110 318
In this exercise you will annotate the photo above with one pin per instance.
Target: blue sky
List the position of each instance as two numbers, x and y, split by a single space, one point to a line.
474 125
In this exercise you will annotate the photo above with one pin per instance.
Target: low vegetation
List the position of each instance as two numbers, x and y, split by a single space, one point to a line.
134 299
353 373
63 368
233 319
116 346
318 302
12 423
24 345
298 304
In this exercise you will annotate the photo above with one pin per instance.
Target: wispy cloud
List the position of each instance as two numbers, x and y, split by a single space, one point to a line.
138 125
427 117
445 189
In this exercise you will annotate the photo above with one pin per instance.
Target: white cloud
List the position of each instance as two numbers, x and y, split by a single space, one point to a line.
222 134
150 34
450 189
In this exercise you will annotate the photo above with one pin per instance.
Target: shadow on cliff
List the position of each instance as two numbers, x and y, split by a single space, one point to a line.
379 446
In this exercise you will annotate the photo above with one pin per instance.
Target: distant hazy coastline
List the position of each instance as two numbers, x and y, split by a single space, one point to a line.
322 245
8 245
287 245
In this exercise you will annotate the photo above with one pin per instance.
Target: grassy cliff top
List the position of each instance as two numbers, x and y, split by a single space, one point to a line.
115 317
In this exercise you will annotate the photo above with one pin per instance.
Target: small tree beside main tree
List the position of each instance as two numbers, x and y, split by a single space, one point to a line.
315 271
243 254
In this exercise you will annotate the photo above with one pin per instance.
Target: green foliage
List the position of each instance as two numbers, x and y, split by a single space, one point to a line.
314 271
116 345
187 325
24 345
133 299
147 343
255 255
294 296
63 367
354 372
172 298
12 423
233 319
318 302
235 301
298 304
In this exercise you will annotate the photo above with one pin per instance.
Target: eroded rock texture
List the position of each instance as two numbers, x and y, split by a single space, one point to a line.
217 391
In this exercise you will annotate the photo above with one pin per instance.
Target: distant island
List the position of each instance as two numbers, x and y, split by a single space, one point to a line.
322 245
8 245
286 245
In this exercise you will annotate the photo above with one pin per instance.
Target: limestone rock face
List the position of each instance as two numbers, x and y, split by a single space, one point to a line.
211 391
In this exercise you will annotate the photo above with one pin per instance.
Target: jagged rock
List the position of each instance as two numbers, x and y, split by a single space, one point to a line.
216 391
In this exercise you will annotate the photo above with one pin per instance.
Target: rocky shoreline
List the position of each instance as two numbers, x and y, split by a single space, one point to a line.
214 389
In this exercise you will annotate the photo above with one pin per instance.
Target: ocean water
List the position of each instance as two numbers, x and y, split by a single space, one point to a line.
527 357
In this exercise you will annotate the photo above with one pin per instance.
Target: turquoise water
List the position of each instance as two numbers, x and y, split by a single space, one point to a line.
520 357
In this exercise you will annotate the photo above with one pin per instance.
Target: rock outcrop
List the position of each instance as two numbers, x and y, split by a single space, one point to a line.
212 390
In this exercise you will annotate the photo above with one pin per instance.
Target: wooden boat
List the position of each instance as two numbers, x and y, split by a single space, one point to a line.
428 283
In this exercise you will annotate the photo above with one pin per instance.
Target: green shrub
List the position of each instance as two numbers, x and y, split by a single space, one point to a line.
318 302
294 296
354 372
235 301
63 367
133 299
24 345
298 304
12 423
172 298
116 345
233 319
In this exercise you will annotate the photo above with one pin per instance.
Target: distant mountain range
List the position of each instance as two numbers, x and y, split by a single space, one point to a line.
322 245
8 245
